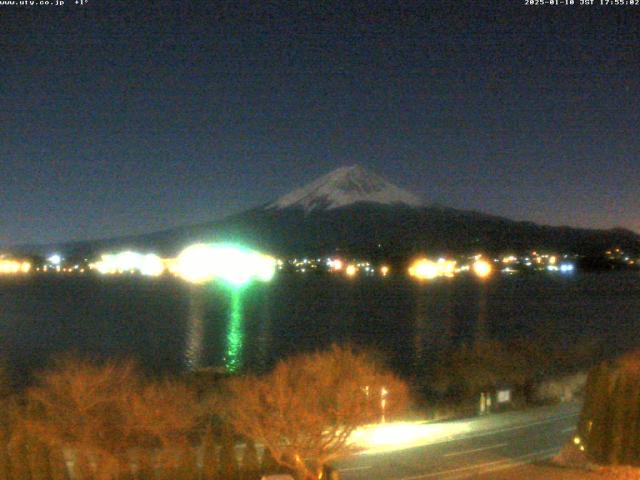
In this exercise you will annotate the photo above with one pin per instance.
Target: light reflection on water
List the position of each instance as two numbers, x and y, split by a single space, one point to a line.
263 340
199 321
420 330
166 325
235 333
481 332
195 328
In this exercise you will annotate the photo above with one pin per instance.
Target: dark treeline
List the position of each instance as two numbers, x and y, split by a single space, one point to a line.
459 374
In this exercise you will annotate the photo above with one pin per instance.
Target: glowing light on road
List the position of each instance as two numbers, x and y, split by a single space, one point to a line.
201 263
389 437
384 270
482 268
351 270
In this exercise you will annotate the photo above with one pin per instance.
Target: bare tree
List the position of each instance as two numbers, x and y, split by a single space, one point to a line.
82 406
163 415
104 412
5 381
5 431
306 409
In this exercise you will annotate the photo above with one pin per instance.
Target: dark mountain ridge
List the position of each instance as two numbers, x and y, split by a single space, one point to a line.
355 212
367 229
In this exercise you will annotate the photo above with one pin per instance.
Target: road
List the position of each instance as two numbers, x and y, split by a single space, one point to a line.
473 448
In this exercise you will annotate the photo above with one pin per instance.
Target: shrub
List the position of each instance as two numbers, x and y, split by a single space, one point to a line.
609 422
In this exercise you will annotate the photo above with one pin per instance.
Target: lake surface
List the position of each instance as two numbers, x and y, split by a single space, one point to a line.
166 324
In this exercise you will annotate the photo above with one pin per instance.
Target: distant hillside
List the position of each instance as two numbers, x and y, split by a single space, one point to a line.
353 211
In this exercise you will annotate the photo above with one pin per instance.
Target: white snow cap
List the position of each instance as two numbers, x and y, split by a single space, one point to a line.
346 186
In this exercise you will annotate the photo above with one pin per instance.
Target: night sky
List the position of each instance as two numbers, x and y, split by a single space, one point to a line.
127 117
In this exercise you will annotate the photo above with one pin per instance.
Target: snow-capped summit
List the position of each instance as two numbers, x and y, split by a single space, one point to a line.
346 186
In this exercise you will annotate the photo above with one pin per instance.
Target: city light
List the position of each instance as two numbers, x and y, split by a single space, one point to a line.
335 264
129 262
265 267
234 265
151 265
567 268
55 259
446 268
482 268
425 269
14 266
237 266
351 270
195 264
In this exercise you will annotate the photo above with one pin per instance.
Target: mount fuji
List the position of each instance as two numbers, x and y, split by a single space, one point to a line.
343 187
357 212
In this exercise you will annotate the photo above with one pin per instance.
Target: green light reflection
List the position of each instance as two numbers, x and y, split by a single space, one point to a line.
195 328
235 332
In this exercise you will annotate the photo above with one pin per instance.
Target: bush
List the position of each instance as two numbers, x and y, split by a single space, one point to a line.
471 369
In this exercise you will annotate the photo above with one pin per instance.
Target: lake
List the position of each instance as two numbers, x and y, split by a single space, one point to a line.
167 325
